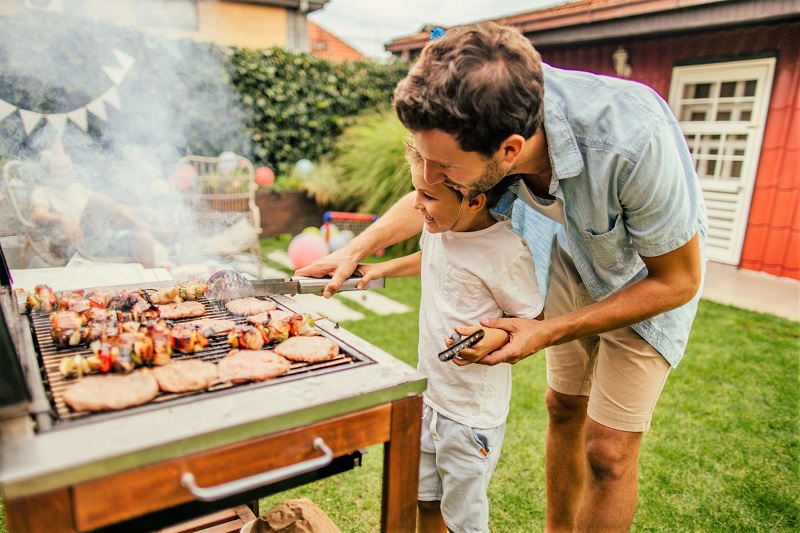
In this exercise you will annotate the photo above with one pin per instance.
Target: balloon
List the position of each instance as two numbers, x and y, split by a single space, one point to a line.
228 162
328 230
306 248
265 176
339 240
159 187
183 176
186 171
311 229
303 168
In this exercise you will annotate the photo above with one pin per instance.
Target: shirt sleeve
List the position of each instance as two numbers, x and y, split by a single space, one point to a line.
659 197
39 197
517 292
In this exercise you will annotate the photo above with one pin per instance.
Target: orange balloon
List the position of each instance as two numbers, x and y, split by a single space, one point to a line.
265 176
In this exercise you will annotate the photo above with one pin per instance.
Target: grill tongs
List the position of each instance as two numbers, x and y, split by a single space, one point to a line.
228 284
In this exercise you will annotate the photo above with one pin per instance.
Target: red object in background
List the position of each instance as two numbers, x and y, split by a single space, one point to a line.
306 248
265 176
182 177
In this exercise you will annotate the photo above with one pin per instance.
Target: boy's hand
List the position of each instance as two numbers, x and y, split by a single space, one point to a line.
368 272
493 339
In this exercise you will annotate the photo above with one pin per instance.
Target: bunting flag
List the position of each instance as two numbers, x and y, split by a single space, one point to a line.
79 116
29 120
58 121
6 109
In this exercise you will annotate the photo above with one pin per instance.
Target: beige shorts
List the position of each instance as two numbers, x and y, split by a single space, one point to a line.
618 370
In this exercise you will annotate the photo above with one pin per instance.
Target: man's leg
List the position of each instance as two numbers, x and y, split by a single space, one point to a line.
612 481
565 462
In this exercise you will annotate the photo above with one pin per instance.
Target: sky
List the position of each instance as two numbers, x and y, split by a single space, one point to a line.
367 25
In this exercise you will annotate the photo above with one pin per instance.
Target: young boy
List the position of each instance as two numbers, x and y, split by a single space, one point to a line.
467 262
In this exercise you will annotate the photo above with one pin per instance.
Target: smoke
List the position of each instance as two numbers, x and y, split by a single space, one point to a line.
126 105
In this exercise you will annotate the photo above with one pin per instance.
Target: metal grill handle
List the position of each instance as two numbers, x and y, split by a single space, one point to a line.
208 494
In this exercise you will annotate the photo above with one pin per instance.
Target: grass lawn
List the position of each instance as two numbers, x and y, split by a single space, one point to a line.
721 455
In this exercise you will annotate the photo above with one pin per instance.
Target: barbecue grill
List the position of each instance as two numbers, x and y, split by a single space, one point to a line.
186 455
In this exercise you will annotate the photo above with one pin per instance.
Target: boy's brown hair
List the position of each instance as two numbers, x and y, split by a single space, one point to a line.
480 83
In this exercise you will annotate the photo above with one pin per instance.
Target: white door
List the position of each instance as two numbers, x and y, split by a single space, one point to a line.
722 109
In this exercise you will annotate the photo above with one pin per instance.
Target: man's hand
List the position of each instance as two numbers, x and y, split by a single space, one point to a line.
72 231
339 265
493 338
525 336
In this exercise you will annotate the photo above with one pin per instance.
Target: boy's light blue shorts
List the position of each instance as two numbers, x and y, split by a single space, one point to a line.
456 464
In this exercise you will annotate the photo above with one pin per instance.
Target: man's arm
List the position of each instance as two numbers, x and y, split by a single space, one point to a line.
672 280
42 215
400 222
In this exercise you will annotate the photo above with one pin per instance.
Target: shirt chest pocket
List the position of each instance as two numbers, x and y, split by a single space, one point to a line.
461 289
611 248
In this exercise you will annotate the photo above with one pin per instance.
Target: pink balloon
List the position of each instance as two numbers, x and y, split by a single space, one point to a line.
265 176
183 176
306 248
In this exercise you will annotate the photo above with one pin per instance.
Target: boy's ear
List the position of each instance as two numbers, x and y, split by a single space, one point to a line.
476 203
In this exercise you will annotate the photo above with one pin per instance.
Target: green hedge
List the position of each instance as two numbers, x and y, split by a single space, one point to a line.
299 104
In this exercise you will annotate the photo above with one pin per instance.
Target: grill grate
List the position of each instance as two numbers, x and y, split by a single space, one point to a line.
218 347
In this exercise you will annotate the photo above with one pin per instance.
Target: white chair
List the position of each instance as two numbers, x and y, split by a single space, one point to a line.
222 195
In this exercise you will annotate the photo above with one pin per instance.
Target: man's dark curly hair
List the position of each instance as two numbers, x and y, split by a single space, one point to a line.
480 83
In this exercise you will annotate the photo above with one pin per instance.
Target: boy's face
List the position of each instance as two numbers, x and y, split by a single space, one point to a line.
445 162
438 204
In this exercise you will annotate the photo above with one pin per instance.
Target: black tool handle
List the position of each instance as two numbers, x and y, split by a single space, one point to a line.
455 349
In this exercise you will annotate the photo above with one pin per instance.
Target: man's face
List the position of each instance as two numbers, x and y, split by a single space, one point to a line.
445 162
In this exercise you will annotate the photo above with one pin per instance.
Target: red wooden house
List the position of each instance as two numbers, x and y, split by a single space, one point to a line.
730 70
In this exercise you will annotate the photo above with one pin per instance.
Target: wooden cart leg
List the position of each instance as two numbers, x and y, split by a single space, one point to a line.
51 512
401 468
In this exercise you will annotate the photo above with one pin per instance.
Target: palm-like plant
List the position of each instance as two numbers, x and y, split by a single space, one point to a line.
368 171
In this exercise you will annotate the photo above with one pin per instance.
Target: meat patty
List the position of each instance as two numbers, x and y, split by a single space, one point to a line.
185 375
308 349
266 316
109 393
250 306
213 327
251 365
181 310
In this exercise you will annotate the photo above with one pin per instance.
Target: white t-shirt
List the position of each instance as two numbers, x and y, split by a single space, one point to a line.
467 276
69 201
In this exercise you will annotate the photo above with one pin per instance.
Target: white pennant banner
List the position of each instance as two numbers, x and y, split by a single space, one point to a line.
58 121
79 118
6 109
29 120
112 97
124 59
98 108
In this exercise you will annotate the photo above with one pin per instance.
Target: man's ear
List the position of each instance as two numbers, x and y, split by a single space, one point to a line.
511 148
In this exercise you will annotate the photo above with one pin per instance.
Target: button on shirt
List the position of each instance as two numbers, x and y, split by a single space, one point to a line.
625 179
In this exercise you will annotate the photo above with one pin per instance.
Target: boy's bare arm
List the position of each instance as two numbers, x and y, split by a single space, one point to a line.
409 265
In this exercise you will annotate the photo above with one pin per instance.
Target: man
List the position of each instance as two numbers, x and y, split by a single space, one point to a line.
605 168
92 223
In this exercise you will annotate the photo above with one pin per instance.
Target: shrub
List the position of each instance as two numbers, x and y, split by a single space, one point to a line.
367 171
298 104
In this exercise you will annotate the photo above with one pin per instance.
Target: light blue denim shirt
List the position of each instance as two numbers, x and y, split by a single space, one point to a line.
623 175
